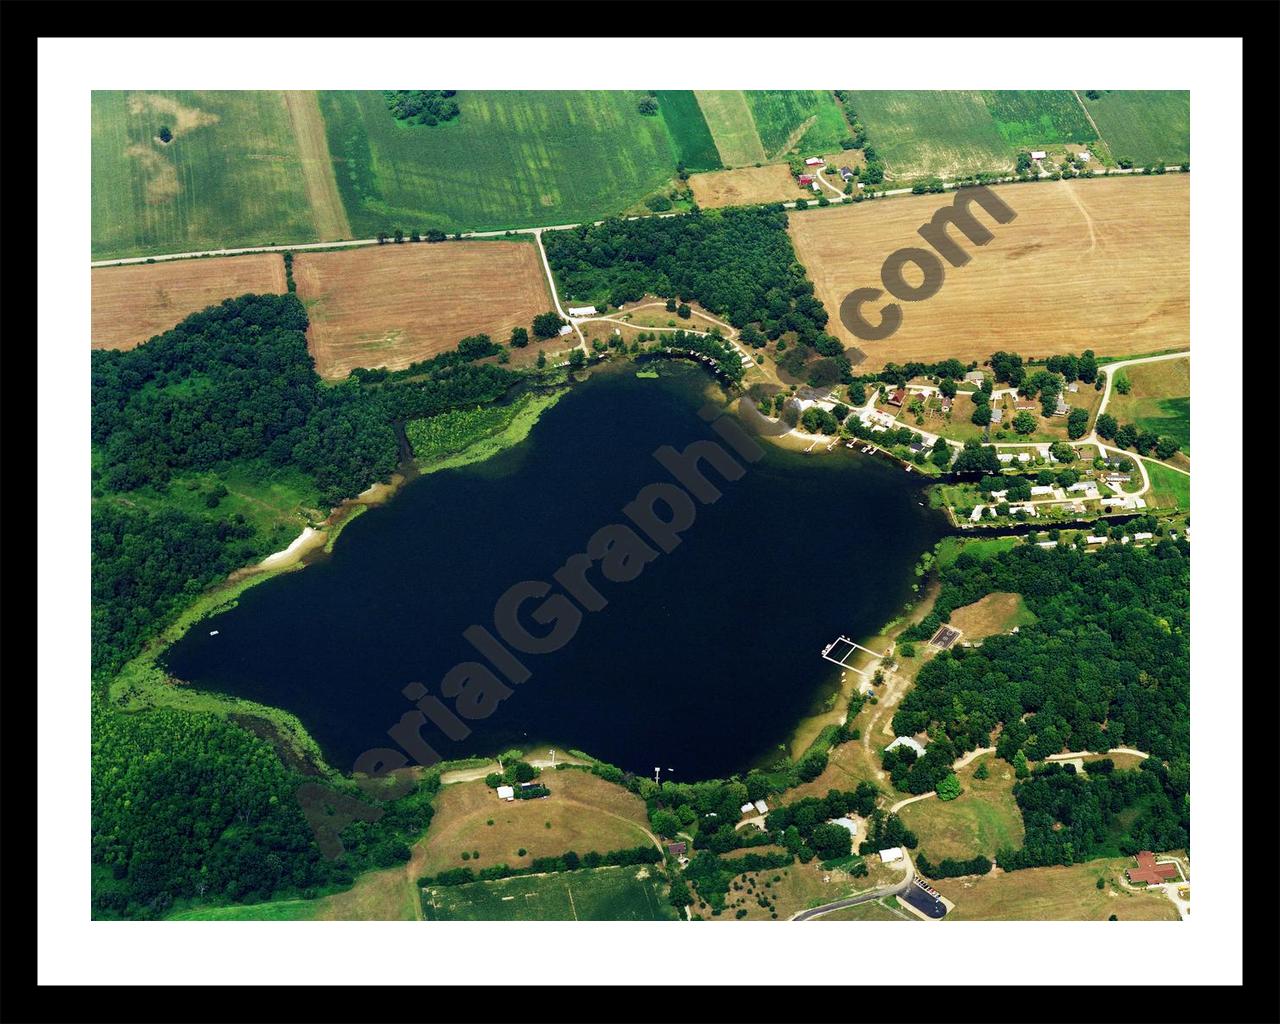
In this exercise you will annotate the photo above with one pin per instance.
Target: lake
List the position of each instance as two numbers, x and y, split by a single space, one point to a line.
704 663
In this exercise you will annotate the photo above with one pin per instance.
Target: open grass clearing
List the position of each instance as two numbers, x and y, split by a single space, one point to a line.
873 910
1039 118
586 813
595 894
1128 242
1169 488
729 118
132 304
983 819
996 613
317 168
1054 894
1159 398
687 125
392 305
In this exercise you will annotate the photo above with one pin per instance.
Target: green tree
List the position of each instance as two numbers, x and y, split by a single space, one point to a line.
1024 422
1121 383
1020 769
547 325
683 311
949 788
1077 423
165 133
519 337
1106 426
542 359
981 414
577 358
982 771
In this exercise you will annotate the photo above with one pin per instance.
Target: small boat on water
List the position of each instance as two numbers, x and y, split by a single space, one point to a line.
213 632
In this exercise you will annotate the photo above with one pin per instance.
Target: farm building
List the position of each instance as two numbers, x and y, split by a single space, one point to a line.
762 807
506 793
1038 154
814 161
848 824
582 310
747 808
891 854
906 741
806 179
846 173
566 329
1149 871
676 849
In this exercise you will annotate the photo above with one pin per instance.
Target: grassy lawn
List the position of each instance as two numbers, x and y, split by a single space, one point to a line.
1169 488
276 910
803 121
1054 894
941 133
981 820
596 894
510 159
585 813
949 548
1159 399
1145 126
799 887
876 910
231 176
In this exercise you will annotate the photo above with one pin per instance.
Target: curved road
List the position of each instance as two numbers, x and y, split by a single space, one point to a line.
864 897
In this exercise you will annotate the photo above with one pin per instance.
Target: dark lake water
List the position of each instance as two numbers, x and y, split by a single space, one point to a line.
704 663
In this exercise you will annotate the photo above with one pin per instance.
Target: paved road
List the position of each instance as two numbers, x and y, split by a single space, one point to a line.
348 243
865 897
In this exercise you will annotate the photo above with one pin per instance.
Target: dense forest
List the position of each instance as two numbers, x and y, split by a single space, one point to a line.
191 806
738 263
422 106
1071 818
1106 664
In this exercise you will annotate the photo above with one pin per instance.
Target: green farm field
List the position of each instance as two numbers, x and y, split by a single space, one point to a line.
1145 126
690 136
729 120
917 134
1169 488
511 159
231 176
806 121
597 894
1028 119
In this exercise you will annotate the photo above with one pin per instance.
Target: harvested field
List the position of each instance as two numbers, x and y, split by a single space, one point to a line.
396 304
586 813
134 303
1114 253
746 185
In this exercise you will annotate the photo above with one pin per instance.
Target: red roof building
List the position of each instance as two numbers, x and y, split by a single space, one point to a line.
1149 871
897 397
806 179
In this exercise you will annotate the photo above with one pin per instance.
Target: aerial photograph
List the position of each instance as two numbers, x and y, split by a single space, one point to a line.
640 506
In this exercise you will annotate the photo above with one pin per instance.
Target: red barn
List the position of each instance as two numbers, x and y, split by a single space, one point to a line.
806 179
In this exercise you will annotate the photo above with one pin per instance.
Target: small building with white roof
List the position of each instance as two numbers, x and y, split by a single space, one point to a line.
891 854
582 310
506 793
906 741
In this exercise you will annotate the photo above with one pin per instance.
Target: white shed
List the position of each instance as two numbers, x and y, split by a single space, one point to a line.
814 161
906 741
582 310
566 329
747 808
1038 154
891 854
848 824
506 793
762 807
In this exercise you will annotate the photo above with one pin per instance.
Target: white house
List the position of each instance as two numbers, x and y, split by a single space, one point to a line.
1142 536
1084 154
975 377
1083 485
506 793
1000 495
566 329
906 741
1038 154
582 310
816 187
762 807
1045 489
848 824
976 514
891 854
814 161
747 808
1095 540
